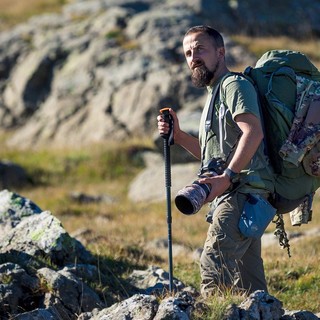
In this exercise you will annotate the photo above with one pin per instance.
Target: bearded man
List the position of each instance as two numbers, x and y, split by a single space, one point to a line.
229 259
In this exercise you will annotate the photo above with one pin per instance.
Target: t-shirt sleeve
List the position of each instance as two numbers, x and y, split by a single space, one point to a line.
240 96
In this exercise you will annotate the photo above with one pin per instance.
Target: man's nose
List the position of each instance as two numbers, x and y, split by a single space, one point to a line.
194 59
190 59
193 55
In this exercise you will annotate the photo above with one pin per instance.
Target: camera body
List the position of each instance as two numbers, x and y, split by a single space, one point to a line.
191 198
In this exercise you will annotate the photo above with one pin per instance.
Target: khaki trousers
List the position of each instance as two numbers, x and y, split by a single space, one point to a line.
230 260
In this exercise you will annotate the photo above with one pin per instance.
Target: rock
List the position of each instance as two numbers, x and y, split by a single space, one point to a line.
12 175
10 290
261 305
13 209
86 198
42 235
67 292
154 280
160 247
46 274
299 315
137 307
232 313
38 314
172 308
130 68
152 179
146 307
34 243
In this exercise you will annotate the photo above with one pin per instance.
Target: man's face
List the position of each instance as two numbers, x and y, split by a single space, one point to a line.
203 58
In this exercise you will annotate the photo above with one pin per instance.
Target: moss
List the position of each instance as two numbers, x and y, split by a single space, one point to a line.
5 278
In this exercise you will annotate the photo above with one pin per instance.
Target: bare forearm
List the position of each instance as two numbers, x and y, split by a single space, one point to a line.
190 143
248 144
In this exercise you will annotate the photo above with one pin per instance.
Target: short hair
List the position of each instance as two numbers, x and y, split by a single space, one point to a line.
212 33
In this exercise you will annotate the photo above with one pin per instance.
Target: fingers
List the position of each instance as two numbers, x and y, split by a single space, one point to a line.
219 184
163 127
173 114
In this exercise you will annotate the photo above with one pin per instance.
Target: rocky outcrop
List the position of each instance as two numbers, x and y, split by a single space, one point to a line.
102 69
40 263
12 175
47 274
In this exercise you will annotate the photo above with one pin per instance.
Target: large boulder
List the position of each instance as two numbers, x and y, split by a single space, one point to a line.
43 270
150 184
36 233
42 235
12 175
105 76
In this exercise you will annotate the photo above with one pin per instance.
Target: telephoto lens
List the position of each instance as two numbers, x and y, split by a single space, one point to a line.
190 199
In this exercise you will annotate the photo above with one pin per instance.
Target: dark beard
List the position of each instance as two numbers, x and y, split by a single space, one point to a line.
201 76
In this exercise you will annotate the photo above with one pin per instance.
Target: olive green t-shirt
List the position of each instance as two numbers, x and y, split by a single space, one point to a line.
236 96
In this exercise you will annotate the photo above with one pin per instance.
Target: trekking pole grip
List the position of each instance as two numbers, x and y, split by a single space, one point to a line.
167 117
167 137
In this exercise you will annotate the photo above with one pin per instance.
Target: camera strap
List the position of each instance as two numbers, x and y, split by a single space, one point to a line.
211 107
208 122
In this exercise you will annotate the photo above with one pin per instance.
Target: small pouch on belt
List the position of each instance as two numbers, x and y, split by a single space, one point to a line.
256 215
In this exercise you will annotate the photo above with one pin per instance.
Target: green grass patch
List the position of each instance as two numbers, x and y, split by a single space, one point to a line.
217 305
51 167
296 281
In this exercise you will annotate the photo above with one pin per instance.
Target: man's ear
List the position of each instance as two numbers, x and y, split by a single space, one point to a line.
221 52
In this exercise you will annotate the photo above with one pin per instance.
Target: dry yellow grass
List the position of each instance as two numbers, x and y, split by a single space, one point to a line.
310 47
123 230
17 11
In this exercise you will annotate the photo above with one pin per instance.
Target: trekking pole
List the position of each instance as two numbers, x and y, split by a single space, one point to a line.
168 140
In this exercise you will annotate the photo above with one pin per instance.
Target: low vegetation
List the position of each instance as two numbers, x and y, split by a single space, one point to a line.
118 231
13 12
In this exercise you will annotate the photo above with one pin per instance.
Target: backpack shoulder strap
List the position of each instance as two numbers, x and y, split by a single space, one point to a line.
209 117
211 107
214 98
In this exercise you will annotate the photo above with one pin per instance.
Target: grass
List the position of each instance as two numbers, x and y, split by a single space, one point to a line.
296 281
13 12
110 234
258 46
217 305
118 232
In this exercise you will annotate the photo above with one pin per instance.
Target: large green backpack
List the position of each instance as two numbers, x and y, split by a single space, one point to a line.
288 88
288 85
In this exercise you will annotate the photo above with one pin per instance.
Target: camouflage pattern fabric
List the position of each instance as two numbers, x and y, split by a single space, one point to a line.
304 136
303 213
